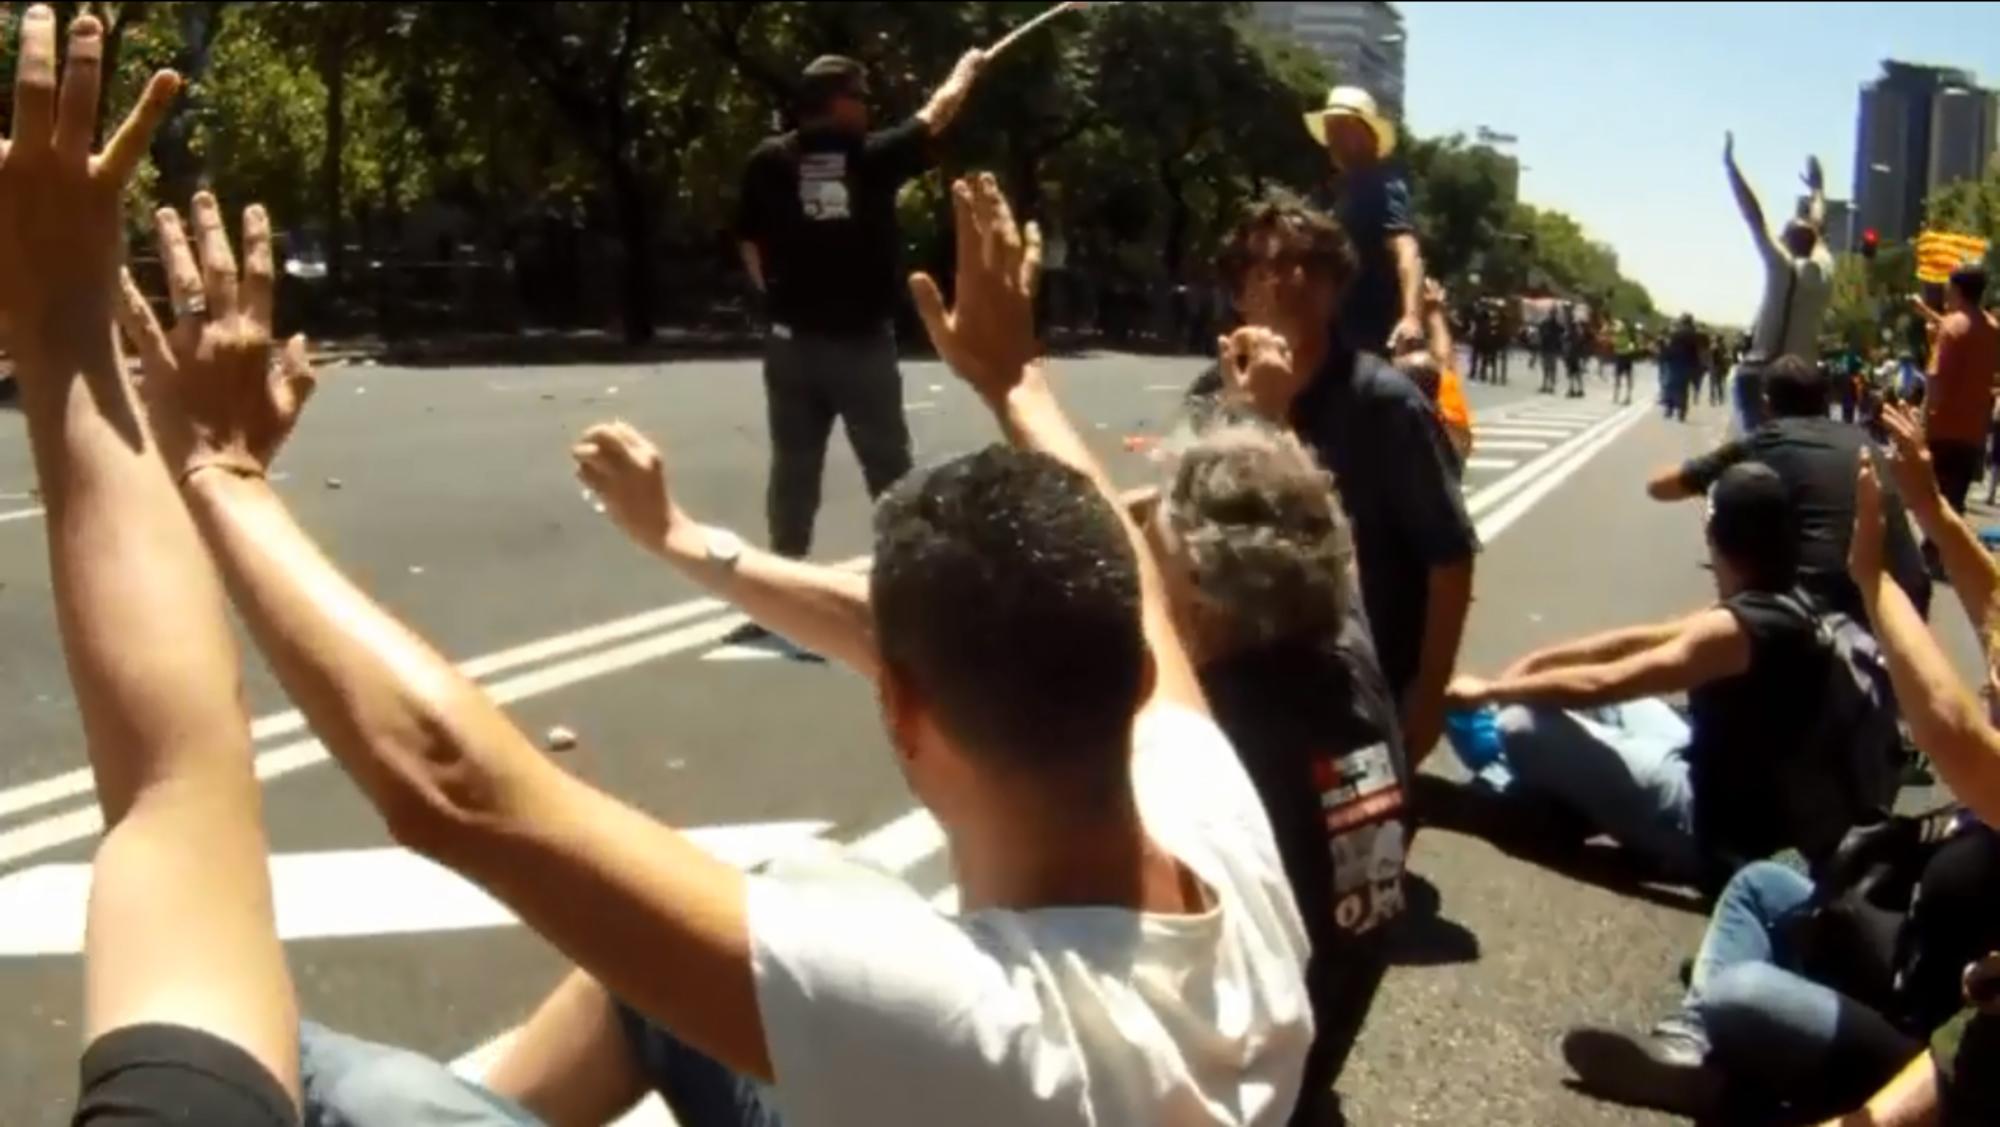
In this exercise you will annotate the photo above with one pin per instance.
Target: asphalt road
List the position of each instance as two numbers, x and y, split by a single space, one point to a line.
454 504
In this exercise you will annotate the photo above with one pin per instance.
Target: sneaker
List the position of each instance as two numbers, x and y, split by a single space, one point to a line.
1667 1071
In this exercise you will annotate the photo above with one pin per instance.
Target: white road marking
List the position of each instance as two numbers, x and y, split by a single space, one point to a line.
21 514
1166 387
1491 463
921 405
1529 446
342 893
1574 457
1479 431
1514 482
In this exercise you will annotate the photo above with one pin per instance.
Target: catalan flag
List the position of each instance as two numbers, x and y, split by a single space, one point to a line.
1940 252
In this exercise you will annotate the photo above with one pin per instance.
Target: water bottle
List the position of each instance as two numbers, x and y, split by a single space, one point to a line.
1474 736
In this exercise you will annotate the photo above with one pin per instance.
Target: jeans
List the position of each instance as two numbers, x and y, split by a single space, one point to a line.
810 380
1624 767
1746 400
348 1082
1765 1024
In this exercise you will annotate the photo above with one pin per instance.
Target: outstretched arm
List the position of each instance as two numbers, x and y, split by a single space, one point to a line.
1706 647
180 927
1746 203
989 340
661 923
938 113
821 608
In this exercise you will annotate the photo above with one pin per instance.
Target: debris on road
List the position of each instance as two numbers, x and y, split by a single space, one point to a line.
548 397
334 483
559 738
416 569
612 390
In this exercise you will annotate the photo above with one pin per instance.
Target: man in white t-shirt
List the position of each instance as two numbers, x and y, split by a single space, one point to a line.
1127 949
1798 281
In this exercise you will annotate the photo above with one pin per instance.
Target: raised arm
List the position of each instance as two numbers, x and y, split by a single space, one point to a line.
1968 566
1945 721
989 340
1815 181
1746 203
635 904
821 608
938 113
180 928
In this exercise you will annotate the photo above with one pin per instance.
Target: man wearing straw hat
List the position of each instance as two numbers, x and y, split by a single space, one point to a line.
1383 309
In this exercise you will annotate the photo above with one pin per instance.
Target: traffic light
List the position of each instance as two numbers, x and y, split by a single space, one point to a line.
1870 243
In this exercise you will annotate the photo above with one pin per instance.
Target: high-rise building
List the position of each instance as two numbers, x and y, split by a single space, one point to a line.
1361 43
1919 128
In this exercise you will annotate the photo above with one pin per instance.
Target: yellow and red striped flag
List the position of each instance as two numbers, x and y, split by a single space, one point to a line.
1940 252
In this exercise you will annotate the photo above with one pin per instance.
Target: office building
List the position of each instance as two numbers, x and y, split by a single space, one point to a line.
1918 129
1360 43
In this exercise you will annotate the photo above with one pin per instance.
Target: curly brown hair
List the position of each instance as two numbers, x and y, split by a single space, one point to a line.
1302 234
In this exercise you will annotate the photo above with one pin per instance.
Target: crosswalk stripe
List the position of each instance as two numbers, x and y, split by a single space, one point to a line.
1513 445
1491 463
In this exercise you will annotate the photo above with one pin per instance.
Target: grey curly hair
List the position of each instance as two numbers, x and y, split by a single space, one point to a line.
1260 528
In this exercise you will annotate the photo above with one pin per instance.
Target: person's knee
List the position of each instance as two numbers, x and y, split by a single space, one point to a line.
1739 1008
347 1082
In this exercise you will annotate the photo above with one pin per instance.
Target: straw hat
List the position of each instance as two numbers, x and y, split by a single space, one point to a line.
1353 101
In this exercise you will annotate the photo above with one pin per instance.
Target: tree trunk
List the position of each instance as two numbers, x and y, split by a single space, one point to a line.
333 73
635 262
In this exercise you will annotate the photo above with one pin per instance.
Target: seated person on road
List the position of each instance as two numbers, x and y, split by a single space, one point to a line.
1128 950
1286 266
1586 723
1259 562
1811 998
1816 457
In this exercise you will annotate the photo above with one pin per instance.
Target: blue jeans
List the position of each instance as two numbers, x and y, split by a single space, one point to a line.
348 1082
1767 1025
1623 767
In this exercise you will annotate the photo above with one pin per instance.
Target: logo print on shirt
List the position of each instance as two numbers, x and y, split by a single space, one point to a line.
823 186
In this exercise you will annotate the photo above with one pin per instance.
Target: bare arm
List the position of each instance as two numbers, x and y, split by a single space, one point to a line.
1970 568
938 113
1409 271
1710 646
1437 327
1598 648
1815 181
822 608
1751 210
1910 1100
180 927
1450 599
753 263
1667 484
989 340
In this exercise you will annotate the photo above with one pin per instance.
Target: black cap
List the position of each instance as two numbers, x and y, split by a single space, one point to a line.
831 76
1750 520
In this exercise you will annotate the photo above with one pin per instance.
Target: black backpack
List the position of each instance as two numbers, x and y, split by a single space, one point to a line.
1847 773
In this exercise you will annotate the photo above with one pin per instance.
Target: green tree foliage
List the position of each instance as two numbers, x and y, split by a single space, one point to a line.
583 133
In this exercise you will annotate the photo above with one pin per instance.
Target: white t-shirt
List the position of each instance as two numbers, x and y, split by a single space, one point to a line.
1809 282
880 1011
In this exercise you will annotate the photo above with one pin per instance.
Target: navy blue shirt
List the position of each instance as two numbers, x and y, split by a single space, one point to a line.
1372 204
1368 424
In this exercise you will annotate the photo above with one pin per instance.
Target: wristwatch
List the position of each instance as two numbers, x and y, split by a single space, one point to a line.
724 548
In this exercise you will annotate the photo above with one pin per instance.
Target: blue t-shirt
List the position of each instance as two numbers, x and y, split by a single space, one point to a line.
1373 204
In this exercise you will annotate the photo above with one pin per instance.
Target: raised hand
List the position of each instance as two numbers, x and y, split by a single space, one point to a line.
1910 458
216 395
1257 365
1729 148
626 472
61 237
988 338
1814 176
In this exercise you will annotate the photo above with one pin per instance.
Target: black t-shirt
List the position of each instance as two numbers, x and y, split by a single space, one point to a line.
1816 458
1317 732
1373 204
1747 726
1395 469
820 205
174 1076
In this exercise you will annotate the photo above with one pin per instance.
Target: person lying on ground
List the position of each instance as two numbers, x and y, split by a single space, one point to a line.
1808 997
1286 266
1815 456
1110 853
1586 723
188 1008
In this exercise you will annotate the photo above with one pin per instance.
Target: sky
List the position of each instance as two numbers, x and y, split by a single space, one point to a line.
1621 108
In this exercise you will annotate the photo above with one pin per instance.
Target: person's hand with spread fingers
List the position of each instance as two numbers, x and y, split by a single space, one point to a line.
218 394
988 336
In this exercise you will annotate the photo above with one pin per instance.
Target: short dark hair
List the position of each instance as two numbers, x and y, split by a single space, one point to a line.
1006 591
1795 387
1751 521
830 77
1970 282
1305 233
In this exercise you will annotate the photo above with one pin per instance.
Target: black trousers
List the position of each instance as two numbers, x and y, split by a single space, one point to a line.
809 381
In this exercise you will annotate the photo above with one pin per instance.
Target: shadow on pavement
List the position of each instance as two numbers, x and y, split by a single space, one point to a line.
1550 838
1424 938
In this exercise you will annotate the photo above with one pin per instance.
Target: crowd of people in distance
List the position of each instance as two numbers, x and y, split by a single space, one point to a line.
1170 734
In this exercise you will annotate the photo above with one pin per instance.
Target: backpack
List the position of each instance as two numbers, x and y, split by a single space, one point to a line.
1847 773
